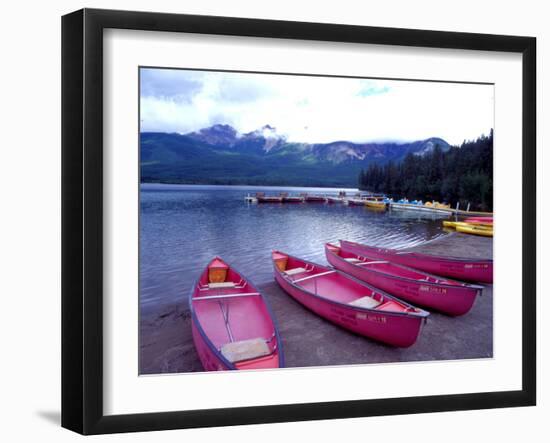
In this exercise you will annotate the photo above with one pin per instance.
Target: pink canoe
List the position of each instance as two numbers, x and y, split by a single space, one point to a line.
480 219
232 325
448 296
476 270
348 302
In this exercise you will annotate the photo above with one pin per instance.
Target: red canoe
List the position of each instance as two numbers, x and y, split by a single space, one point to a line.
232 325
348 302
477 270
448 296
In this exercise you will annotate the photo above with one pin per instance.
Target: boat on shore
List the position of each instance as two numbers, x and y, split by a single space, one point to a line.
348 302
232 325
484 231
455 224
473 228
448 296
480 220
467 269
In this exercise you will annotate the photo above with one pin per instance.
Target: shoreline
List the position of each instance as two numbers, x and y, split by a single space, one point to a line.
166 344
247 186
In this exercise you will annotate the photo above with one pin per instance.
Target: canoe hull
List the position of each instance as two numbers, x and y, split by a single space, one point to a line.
232 325
209 359
395 330
460 269
450 300
475 230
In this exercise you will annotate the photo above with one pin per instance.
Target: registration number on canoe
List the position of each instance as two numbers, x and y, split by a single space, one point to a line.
476 266
425 288
370 317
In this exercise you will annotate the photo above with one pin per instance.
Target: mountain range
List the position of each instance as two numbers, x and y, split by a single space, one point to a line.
220 155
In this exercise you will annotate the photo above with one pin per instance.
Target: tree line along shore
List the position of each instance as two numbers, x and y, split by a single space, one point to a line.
462 174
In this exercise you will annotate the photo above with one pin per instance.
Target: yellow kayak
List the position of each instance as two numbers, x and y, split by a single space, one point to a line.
375 205
453 224
476 230
437 205
482 224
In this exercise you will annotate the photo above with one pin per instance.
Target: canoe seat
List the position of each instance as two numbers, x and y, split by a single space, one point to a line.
225 284
365 302
295 271
245 349
352 260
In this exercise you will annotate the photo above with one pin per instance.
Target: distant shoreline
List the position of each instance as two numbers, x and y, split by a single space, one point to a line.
245 187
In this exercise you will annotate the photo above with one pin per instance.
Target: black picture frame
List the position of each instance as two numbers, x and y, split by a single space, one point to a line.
82 218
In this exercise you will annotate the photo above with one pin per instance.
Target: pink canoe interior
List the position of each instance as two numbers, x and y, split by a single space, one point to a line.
331 285
404 256
232 312
480 270
388 267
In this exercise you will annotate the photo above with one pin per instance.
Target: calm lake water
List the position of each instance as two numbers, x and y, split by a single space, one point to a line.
182 227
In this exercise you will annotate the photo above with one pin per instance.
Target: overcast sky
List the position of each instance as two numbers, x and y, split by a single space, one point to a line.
314 109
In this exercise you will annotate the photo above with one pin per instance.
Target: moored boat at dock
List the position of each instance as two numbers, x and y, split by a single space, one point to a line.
312 198
262 198
375 204
287 198
355 202
332 200
418 207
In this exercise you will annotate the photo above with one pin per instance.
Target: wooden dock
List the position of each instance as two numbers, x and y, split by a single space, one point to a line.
449 211
358 201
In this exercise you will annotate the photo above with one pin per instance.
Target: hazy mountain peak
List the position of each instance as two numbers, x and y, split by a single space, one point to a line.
216 135
266 140
429 145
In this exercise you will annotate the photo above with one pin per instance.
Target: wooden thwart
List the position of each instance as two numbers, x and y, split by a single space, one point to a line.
214 297
225 284
313 276
245 350
372 262
295 271
366 302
